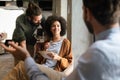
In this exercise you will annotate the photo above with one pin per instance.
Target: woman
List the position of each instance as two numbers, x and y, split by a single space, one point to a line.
59 47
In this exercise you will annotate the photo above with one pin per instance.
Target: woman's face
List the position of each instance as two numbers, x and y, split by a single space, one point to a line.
56 28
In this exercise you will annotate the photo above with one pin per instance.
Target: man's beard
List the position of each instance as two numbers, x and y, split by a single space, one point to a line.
34 24
89 27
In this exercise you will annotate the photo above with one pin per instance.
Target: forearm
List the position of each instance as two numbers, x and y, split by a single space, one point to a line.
33 71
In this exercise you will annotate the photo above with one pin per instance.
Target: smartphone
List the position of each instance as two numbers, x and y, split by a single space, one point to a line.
6 42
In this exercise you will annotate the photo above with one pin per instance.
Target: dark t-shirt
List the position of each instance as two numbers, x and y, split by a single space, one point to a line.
24 30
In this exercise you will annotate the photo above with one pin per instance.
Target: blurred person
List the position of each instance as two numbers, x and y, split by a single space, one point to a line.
102 59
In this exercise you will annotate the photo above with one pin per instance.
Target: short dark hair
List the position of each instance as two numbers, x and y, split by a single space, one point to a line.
33 9
50 20
105 11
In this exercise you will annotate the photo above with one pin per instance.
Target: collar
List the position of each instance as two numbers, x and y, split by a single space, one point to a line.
105 34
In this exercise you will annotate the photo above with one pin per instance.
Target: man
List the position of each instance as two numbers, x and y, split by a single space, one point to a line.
102 59
26 24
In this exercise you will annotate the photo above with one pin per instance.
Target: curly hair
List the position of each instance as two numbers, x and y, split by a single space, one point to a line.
50 20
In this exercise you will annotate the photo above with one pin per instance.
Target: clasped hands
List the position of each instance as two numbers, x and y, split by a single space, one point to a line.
54 56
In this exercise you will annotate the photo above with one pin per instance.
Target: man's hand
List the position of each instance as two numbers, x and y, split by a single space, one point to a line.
17 51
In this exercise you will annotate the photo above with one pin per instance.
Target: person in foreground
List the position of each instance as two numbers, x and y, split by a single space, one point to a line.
102 59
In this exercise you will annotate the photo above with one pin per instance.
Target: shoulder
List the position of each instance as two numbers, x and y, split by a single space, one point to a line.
65 40
96 52
97 47
101 45
21 17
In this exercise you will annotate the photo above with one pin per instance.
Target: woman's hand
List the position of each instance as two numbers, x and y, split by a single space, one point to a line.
17 51
54 56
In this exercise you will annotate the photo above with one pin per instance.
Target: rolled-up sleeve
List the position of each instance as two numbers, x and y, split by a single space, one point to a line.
33 71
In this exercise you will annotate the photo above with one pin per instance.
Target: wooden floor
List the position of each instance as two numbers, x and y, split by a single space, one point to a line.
6 64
